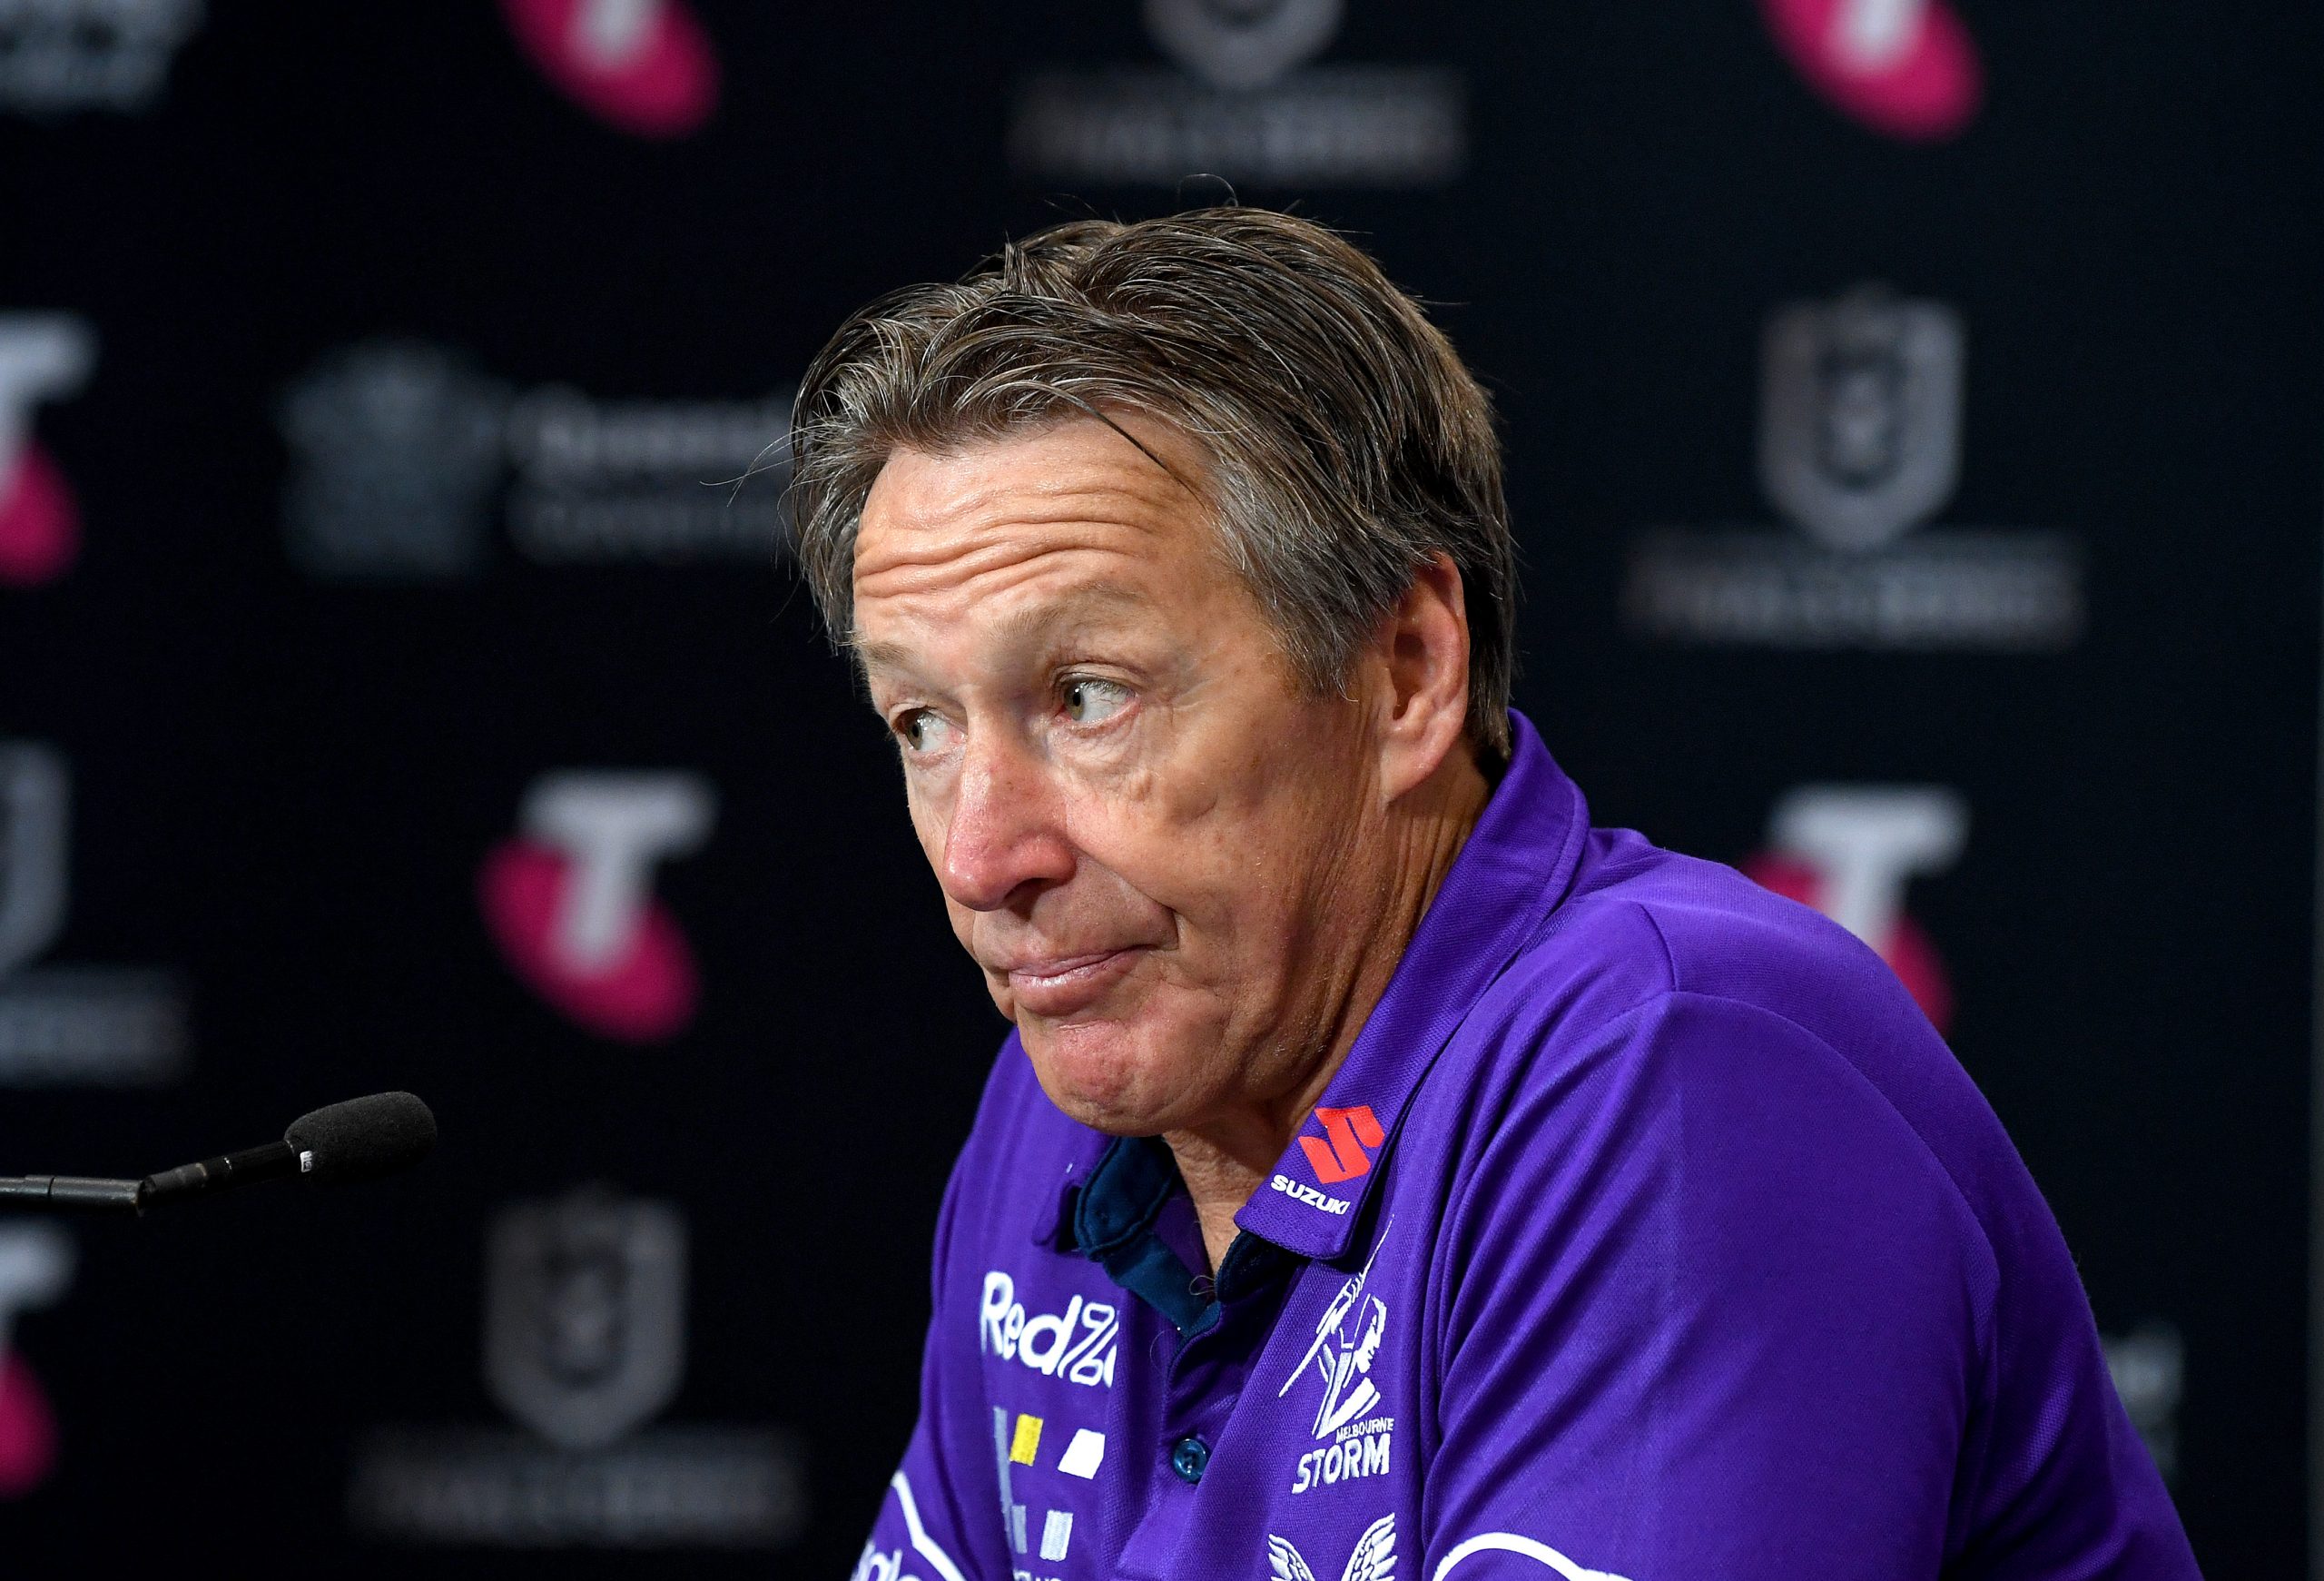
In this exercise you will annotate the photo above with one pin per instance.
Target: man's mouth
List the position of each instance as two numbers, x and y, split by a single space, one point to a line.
1059 985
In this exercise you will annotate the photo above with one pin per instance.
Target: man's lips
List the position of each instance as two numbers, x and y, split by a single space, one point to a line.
1055 986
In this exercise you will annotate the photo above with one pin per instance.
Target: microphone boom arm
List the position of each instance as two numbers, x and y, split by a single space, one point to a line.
83 1193
358 1140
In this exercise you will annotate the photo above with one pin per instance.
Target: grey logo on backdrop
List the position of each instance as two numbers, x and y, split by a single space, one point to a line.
106 1025
1244 99
61 56
34 796
2148 1366
1242 43
1859 448
405 457
1860 415
583 1344
585 1319
397 449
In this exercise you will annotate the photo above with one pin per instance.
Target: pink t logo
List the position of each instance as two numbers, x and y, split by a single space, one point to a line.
643 65
571 901
43 357
1905 67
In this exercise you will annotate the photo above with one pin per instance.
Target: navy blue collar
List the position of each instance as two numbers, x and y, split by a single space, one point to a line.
1112 1220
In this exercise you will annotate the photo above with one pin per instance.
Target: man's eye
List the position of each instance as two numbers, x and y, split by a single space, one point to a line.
1093 702
920 730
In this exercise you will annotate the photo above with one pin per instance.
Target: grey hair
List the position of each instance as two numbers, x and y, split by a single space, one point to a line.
1347 445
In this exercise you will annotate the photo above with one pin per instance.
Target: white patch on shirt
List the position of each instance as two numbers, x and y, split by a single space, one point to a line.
1084 1455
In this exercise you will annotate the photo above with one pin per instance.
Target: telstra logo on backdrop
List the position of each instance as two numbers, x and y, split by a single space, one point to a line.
645 67
1849 851
1905 67
44 357
570 901
35 1267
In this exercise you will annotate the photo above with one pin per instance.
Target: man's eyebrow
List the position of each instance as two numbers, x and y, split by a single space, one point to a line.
1015 628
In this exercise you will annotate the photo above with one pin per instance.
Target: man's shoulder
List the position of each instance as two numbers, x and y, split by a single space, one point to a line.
1641 923
1664 982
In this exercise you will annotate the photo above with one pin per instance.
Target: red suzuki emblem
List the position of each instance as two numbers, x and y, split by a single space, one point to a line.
1342 1152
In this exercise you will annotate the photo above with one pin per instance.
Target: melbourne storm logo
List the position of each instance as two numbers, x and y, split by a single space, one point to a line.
1346 1346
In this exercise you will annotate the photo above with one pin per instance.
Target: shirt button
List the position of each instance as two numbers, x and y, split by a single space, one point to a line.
1188 1458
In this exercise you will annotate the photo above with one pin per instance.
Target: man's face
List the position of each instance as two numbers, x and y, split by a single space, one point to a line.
1143 825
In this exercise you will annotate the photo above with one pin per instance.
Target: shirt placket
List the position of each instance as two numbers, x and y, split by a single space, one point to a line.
1207 1373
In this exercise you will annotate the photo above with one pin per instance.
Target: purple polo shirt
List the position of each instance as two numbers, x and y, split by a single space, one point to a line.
1648 1232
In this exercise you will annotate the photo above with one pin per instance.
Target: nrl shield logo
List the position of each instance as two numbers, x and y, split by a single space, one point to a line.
585 1317
1242 43
33 792
1860 415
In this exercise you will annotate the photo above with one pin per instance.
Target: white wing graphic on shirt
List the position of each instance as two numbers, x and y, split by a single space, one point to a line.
1374 1558
1510 1543
1284 1560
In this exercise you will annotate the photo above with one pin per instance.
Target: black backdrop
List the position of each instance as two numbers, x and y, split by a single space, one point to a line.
386 355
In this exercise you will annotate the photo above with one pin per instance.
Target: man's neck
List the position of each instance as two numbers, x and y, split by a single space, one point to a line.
1225 1161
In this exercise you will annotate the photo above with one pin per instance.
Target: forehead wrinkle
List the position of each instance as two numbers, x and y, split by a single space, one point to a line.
930 538
1015 628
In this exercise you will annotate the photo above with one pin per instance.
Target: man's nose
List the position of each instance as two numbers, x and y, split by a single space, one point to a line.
1006 835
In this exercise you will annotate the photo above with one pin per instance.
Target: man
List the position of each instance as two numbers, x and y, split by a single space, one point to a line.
1389 1174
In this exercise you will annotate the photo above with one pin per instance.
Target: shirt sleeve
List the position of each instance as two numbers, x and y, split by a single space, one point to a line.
940 1519
1711 1309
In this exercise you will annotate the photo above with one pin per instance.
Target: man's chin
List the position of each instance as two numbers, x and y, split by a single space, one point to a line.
1108 1077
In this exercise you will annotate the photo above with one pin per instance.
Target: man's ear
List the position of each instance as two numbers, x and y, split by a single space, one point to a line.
1422 647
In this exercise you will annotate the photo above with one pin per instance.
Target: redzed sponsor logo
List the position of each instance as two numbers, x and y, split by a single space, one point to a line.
645 67
1340 1154
1905 67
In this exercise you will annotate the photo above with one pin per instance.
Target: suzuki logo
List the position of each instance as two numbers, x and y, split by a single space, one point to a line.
1849 851
43 357
645 67
1905 67
1341 1155
35 1267
571 903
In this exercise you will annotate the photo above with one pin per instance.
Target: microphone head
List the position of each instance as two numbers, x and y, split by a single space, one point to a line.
363 1138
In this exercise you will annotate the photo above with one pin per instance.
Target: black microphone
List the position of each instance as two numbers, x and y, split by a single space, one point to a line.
358 1140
